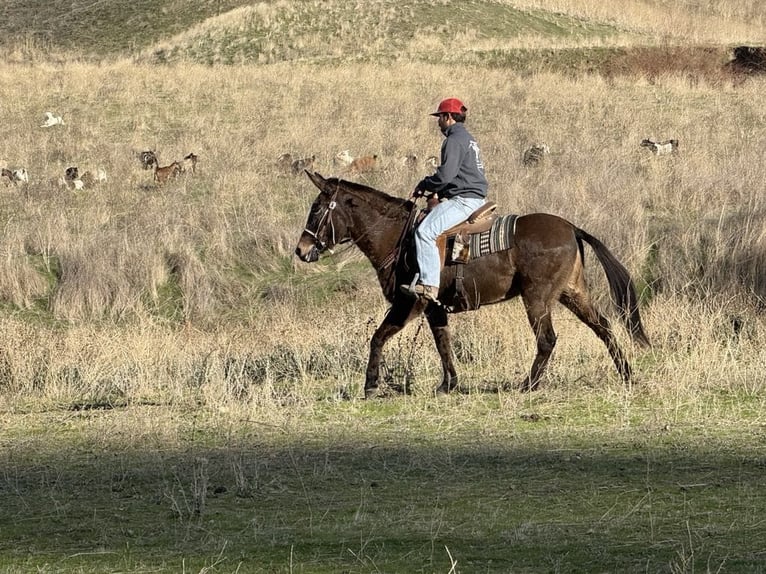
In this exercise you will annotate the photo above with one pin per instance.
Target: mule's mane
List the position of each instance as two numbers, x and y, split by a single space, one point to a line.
360 189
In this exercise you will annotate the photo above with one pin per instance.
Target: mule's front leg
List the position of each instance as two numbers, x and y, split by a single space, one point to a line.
401 312
439 323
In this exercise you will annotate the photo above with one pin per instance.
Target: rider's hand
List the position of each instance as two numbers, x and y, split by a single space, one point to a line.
417 192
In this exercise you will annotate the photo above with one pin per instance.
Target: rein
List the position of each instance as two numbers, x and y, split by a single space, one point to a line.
396 254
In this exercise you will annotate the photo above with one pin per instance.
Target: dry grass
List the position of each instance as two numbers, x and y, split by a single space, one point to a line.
214 251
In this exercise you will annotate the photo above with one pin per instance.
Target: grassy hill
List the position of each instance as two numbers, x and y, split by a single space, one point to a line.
105 28
473 31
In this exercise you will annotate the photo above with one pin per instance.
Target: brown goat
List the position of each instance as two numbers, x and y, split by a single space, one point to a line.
284 162
364 164
163 174
7 176
299 165
410 161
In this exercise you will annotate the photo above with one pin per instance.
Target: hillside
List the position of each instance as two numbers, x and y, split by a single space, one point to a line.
107 28
522 34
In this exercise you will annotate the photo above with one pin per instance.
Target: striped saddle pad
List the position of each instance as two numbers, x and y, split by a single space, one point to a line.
499 237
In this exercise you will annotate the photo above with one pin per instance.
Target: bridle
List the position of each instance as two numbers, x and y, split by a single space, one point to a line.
391 261
324 221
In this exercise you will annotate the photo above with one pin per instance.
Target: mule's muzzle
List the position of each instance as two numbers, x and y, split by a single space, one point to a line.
307 251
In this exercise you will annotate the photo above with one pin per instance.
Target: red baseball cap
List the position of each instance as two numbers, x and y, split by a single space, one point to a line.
450 106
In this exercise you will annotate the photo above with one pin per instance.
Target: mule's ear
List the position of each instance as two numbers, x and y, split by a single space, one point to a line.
316 179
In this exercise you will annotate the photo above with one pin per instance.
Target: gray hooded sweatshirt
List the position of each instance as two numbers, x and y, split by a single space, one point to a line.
461 171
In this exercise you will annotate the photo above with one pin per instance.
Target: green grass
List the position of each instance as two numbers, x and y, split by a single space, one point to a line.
113 28
104 28
403 486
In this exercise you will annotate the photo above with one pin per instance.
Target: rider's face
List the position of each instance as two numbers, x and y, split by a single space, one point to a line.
445 121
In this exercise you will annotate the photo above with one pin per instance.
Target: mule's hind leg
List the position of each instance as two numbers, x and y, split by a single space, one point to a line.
401 312
539 315
437 320
576 299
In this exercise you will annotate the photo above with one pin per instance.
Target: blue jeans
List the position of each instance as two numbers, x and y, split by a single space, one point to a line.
442 217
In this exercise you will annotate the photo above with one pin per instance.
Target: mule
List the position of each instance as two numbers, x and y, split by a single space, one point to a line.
543 265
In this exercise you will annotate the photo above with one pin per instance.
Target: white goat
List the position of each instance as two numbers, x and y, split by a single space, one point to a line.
20 175
51 120
661 148
343 158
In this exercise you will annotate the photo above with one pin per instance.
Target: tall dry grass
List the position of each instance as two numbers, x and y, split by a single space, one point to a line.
132 292
708 21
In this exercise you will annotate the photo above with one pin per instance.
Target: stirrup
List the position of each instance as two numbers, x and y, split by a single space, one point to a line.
419 290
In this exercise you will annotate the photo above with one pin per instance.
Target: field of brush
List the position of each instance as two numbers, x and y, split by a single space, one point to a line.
178 393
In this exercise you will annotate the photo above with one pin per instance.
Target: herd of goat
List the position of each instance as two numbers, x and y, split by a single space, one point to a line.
74 179
286 164
532 156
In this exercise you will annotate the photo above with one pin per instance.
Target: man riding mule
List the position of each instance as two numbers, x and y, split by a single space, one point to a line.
542 262
460 187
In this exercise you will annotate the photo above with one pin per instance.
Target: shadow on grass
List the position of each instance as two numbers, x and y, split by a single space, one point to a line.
540 500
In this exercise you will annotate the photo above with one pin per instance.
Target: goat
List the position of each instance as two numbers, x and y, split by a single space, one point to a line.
15 176
301 164
20 175
147 158
190 163
364 164
51 120
356 164
7 176
88 179
410 161
71 173
72 179
535 154
432 162
284 162
163 174
343 158
661 148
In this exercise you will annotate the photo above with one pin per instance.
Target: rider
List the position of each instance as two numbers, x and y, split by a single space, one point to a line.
461 187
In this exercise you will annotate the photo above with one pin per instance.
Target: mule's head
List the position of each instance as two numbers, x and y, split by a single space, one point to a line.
326 224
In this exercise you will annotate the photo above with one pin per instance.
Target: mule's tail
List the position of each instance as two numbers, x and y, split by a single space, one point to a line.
621 286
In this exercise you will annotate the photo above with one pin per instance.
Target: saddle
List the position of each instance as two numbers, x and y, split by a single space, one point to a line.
458 235
480 220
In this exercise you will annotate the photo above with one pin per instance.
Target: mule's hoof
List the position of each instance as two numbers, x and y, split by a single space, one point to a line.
384 391
527 387
373 393
446 388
